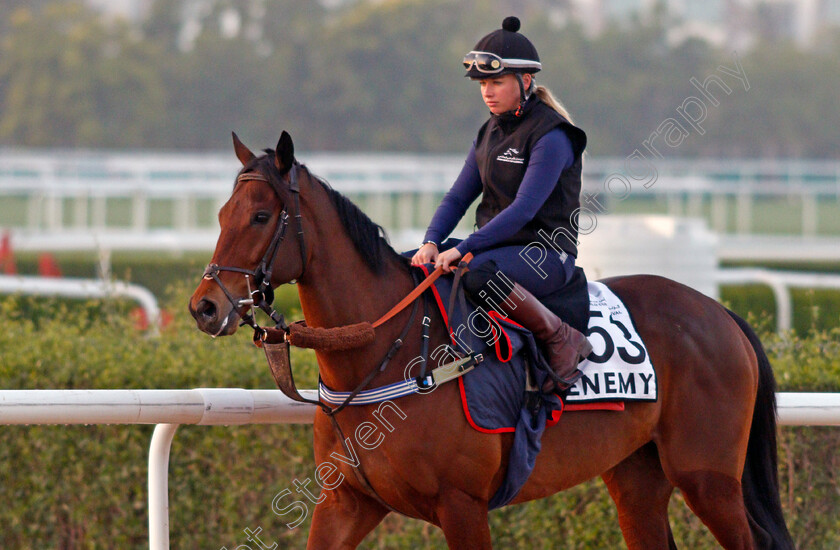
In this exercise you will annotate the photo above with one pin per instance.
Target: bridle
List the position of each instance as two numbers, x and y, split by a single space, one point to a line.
262 296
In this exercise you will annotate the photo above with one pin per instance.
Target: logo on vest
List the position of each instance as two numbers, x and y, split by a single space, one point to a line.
511 156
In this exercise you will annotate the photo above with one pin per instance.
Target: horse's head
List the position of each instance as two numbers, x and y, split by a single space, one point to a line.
259 246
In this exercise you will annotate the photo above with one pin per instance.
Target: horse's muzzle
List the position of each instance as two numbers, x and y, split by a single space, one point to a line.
211 319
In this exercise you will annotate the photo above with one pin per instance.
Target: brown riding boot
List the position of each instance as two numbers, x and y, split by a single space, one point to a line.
563 346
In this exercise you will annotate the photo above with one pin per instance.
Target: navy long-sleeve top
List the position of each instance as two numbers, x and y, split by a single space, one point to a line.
550 155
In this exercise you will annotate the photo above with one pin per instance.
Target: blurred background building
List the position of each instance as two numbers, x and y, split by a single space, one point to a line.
730 23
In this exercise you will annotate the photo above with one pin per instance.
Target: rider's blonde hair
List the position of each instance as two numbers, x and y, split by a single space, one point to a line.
548 98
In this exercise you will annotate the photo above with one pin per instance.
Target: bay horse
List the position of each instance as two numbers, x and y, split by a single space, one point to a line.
712 432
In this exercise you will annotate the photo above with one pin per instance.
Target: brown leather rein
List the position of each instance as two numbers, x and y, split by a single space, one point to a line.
275 341
414 294
262 295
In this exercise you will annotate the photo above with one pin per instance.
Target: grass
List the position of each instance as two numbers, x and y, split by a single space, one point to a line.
770 215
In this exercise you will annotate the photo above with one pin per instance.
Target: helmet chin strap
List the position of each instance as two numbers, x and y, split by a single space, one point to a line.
523 93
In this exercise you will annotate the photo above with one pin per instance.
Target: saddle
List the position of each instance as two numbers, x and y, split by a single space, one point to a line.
501 394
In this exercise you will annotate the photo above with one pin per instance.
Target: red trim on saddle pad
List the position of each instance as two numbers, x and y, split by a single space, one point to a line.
493 315
469 417
496 316
555 415
601 406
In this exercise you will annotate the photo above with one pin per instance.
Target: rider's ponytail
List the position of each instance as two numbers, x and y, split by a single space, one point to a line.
548 98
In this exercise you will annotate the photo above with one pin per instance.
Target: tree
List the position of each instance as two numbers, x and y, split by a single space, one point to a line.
379 76
68 79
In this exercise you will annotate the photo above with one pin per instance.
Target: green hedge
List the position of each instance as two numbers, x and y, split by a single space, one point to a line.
155 271
85 486
812 309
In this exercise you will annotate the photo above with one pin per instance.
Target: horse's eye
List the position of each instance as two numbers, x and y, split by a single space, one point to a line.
260 218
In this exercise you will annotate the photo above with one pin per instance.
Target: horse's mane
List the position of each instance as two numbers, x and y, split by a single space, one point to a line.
368 237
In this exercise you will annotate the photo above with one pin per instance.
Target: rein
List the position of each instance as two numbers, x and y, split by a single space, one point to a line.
275 341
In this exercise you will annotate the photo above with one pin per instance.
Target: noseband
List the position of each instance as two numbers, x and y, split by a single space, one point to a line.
262 296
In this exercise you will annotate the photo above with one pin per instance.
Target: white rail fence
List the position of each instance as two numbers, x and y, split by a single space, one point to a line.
58 191
89 200
780 282
83 288
166 408
235 406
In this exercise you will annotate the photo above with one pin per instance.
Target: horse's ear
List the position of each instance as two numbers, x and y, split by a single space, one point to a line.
242 153
284 155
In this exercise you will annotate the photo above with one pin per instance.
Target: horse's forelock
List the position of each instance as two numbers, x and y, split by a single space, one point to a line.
264 165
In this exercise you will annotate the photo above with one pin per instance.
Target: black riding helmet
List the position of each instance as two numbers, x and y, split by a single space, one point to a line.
501 52
504 51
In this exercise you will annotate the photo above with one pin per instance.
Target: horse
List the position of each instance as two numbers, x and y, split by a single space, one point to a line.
711 433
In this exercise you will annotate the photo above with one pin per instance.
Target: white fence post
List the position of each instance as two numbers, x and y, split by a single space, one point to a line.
159 486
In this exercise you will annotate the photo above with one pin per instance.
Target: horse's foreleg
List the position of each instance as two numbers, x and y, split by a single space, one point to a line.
343 520
641 492
463 520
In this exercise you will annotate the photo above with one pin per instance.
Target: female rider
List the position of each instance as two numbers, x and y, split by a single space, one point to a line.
526 165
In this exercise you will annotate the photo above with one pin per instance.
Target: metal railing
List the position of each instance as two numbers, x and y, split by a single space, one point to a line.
166 408
780 282
83 288
235 406
59 191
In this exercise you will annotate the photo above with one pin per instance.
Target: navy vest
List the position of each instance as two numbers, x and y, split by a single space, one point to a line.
502 151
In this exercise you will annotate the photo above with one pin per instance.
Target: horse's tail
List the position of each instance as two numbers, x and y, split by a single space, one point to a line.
760 481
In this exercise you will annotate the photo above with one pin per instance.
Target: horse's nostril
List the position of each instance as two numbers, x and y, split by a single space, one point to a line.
206 309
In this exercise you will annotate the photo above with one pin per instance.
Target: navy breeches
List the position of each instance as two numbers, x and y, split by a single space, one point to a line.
541 271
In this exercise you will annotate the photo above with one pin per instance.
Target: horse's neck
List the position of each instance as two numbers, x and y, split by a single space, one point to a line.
339 289
342 290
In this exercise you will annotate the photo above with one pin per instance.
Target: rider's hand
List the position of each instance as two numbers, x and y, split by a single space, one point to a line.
446 258
427 254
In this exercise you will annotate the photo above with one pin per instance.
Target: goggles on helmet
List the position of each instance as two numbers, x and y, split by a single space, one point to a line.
490 63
